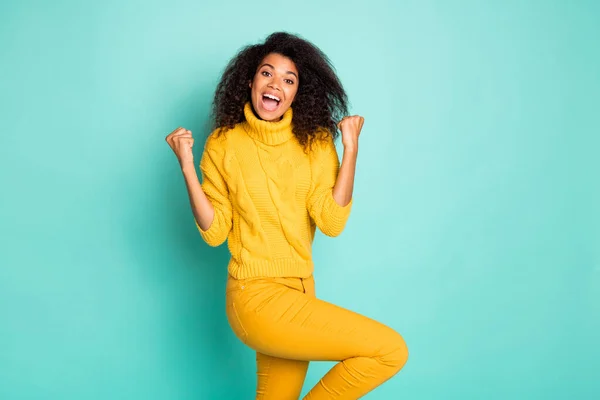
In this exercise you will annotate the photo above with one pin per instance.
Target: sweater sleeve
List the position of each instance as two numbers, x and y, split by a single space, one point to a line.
328 215
215 188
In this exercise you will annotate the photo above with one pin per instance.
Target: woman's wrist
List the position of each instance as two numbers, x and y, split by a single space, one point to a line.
351 150
188 168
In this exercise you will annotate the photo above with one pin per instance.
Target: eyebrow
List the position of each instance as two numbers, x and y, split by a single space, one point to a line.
269 65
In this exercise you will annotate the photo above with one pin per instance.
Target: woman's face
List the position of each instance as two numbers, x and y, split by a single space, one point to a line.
274 86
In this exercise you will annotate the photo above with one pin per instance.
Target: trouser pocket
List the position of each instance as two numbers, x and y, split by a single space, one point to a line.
234 322
233 290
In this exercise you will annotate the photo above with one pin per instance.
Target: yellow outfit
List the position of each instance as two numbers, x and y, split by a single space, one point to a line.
269 196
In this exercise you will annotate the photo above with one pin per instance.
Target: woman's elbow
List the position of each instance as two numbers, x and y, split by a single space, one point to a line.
332 230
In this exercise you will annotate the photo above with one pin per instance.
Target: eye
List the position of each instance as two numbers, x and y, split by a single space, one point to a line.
289 81
266 73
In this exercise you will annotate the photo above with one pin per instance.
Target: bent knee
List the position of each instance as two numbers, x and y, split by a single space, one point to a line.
396 353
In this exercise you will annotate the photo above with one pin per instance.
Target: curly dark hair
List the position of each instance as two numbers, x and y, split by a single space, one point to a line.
320 102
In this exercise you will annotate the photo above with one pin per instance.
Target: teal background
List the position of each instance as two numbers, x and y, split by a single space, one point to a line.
475 230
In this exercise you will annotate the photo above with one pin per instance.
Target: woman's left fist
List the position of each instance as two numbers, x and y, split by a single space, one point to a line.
351 127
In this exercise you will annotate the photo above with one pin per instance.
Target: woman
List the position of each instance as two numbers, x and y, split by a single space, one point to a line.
271 175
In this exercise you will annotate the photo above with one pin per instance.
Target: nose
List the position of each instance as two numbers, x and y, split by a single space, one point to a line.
274 85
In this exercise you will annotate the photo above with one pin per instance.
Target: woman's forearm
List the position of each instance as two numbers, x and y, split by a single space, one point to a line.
202 208
344 185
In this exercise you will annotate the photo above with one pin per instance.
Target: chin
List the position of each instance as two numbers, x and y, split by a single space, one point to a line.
271 117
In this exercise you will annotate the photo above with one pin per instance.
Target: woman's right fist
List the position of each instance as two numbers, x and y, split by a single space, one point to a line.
182 142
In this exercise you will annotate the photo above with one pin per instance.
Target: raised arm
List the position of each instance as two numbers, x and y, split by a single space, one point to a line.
344 185
330 198
209 200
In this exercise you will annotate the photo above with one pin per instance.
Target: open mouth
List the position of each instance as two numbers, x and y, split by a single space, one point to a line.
270 102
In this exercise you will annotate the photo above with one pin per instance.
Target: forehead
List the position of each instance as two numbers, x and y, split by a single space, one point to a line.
280 62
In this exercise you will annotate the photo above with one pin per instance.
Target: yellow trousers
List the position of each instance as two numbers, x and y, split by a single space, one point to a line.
287 326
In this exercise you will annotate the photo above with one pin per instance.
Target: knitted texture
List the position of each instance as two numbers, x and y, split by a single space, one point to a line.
269 196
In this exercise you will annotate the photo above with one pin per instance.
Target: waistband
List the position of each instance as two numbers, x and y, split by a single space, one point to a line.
270 268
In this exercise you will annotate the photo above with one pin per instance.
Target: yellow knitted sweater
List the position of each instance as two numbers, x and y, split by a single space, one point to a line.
269 196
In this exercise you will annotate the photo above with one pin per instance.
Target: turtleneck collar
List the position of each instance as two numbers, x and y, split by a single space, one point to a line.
271 133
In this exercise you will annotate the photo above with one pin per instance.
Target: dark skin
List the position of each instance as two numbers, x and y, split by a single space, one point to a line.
276 76
320 101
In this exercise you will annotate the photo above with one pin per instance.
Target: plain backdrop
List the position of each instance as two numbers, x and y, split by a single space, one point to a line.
475 230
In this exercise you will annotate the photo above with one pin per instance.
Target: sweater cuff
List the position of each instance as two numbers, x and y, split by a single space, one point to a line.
336 215
209 235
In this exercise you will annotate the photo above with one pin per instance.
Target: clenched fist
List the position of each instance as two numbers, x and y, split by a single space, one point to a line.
182 142
351 127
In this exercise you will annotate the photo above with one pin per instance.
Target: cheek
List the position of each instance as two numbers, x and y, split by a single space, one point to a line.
291 94
256 84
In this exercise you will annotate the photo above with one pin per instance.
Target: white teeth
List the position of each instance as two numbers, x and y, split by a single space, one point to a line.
271 96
